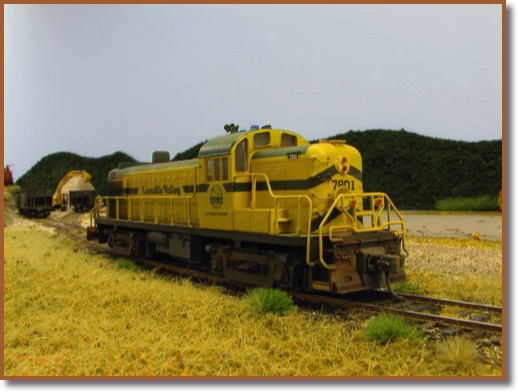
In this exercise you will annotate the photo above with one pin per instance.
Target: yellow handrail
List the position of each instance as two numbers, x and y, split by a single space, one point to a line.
140 200
379 202
95 211
277 198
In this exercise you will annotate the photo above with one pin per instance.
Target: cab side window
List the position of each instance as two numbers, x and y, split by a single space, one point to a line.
261 139
288 140
224 164
242 156
209 170
217 169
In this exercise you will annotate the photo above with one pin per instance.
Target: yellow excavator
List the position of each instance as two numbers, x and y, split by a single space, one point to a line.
57 199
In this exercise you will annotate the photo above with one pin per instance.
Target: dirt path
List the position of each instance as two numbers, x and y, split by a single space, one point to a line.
489 227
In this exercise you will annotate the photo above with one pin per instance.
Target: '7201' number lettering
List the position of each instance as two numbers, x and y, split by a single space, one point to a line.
347 184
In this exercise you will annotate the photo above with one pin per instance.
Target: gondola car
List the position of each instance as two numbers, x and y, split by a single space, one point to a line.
81 200
34 202
262 207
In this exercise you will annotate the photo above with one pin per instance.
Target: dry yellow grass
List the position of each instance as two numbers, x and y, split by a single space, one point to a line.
458 354
71 313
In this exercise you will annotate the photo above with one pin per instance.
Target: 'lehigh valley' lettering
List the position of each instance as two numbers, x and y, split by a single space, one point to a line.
161 190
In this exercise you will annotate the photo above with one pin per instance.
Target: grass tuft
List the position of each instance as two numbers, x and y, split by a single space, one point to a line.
268 300
409 287
385 328
458 354
126 264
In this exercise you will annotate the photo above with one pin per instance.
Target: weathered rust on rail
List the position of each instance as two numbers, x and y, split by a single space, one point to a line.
347 304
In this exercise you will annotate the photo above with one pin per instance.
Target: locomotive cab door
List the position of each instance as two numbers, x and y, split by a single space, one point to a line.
242 183
248 215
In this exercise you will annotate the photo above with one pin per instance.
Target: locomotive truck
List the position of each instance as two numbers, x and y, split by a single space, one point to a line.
262 207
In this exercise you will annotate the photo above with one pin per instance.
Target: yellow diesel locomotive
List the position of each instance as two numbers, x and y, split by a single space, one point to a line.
263 207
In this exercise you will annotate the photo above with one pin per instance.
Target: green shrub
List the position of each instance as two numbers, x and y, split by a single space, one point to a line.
482 203
268 300
385 328
126 264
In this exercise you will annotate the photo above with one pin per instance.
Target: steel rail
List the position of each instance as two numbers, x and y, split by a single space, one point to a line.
489 308
346 304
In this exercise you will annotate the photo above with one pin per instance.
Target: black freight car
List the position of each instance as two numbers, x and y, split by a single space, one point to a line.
82 200
34 202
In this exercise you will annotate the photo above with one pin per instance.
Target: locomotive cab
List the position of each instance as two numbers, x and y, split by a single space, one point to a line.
226 162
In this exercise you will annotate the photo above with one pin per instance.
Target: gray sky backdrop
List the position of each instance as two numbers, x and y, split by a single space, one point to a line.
95 79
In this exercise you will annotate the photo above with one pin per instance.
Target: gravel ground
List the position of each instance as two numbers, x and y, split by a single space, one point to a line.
455 259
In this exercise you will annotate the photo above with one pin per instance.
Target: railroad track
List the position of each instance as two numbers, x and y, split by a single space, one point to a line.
459 314
463 314
71 220
70 225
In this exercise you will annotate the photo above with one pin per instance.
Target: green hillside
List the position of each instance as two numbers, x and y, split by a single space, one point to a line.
415 171
50 169
190 153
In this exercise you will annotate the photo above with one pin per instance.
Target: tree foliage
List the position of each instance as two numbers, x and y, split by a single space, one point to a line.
190 153
415 171
51 169
8 176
